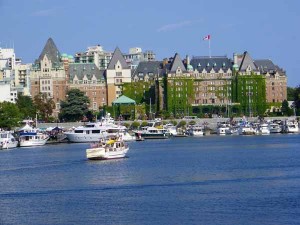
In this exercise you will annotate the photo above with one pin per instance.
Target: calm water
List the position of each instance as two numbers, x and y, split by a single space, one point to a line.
207 180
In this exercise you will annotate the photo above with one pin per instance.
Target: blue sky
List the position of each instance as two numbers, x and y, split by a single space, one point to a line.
266 29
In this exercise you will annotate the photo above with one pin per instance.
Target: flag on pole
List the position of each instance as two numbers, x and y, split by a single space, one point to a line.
206 37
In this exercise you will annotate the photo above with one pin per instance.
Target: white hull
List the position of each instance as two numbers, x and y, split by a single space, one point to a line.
83 138
7 140
101 154
275 128
222 130
33 140
10 145
246 131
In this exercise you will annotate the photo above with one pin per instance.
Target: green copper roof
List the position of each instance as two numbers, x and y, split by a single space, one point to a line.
123 100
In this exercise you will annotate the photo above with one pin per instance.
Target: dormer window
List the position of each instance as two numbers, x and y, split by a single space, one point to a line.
199 65
207 65
215 64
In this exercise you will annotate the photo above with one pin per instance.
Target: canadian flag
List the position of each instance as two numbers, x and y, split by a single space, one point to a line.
206 37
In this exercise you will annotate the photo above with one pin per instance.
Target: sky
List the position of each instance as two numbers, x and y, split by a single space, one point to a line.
266 29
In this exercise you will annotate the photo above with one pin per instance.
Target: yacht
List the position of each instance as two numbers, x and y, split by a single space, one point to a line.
93 132
153 130
7 140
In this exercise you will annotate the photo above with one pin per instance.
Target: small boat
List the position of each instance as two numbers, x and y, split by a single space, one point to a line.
291 126
196 130
264 129
28 139
275 127
222 128
153 130
113 148
181 133
7 140
138 136
29 136
170 128
246 128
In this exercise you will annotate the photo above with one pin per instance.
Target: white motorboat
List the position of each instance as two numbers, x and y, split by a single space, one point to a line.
275 128
246 129
29 136
264 129
291 126
153 130
113 148
196 130
33 138
222 128
172 129
7 140
233 130
93 132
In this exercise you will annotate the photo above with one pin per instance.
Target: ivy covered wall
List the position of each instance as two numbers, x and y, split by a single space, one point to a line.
250 92
179 94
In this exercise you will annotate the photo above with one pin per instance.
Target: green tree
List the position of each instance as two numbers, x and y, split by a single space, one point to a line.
10 115
285 109
290 93
26 106
75 107
135 125
296 98
44 105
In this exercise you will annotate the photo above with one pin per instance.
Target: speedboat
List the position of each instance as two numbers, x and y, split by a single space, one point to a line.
112 148
7 140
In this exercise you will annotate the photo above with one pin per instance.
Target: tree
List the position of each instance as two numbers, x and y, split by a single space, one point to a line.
285 109
290 93
75 108
297 97
26 106
44 105
9 115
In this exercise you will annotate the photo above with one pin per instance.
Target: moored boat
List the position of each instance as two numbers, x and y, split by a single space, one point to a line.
153 131
28 139
7 140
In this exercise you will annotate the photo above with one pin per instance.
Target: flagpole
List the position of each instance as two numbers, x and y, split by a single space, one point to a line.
209 51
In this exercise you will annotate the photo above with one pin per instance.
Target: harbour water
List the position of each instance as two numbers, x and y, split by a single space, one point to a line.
204 180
